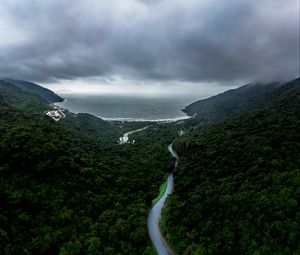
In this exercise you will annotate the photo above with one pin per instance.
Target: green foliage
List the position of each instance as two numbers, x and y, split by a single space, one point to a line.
237 188
46 94
230 102
162 189
21 100
65 189
69 188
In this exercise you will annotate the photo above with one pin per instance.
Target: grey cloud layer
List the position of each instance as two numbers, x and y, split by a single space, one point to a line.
162 40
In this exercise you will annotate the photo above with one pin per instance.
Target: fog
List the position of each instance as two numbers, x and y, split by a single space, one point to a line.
119 86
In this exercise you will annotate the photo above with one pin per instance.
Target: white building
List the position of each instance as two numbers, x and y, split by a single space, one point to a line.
56 114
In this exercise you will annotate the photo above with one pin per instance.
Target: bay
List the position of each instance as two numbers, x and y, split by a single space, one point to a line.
129 108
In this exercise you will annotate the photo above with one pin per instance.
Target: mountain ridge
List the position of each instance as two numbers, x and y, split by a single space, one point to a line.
230 102
238 182
36 89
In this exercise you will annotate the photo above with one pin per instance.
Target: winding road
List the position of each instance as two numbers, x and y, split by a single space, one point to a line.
157 239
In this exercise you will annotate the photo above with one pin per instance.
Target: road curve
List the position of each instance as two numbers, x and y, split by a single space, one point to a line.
158 241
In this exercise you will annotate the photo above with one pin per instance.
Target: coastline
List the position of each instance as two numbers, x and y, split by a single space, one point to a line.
157 114
166 120
146 120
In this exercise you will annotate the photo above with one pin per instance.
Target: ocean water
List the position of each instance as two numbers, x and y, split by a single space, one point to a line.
130 108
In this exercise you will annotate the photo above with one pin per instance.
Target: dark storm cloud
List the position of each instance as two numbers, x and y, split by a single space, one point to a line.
208 40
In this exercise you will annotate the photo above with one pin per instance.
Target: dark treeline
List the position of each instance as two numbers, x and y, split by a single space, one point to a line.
237 189
65 189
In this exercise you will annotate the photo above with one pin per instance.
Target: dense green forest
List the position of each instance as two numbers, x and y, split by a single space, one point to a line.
237 188
65 189
230 102
36 89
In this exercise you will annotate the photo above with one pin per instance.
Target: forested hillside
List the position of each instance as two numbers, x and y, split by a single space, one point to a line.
230 102
67 187
36 89
68 190
23 101
237 189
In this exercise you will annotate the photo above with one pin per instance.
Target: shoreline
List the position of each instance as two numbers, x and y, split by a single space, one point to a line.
145 120
179 116
166 120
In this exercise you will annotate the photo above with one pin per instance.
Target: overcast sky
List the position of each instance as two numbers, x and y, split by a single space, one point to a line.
144 42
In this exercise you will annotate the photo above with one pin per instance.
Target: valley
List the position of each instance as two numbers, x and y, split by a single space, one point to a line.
68 187
149 127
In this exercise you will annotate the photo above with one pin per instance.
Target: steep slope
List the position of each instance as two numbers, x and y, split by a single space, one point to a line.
44 93
22 100
230 102
237 186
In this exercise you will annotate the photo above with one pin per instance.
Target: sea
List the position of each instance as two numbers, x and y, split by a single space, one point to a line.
127 107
